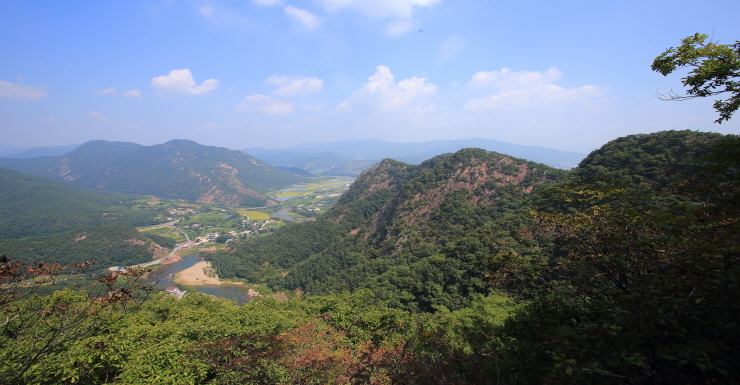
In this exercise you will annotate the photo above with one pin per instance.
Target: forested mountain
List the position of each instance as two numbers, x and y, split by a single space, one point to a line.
109 245
16 152
470 268
81 162
411 233
632 253
177 169
33 206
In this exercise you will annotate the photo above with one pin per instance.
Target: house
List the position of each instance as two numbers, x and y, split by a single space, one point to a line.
174 291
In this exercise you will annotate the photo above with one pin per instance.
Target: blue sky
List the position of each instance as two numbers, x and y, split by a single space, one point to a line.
569 75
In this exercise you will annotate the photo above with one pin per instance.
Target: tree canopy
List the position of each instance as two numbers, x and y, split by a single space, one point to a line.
715 70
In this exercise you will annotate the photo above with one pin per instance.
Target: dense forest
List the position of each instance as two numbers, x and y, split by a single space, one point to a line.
34 206
470 268
415 235
108 245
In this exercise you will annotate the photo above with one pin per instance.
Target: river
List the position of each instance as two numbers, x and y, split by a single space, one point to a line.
283 213
164 275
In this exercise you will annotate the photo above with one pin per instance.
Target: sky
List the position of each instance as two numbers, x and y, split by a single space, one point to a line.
568 75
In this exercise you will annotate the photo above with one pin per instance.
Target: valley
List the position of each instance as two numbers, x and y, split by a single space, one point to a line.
463 264
369 192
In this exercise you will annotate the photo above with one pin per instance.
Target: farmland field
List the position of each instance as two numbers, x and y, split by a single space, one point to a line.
255 215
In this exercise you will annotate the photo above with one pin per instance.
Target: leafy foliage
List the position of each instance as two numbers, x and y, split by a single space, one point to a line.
715 70
38 330
638 283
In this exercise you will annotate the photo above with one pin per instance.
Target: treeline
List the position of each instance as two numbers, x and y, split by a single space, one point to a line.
273 255
34 206
108 245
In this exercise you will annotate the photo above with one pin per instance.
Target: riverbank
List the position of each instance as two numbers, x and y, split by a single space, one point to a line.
196 275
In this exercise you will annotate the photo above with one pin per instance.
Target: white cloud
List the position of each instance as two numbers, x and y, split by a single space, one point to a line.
21 91
507 80
182 82
290 86
107 91
381 92
206 11
265 104
527 89
266 3
302 17
132 93
98 116
401 9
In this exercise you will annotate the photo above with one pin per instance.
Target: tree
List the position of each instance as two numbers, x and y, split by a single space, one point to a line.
639 287
716 70
35 329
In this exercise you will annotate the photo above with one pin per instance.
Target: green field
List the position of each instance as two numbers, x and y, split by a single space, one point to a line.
288 194
167 232
255 215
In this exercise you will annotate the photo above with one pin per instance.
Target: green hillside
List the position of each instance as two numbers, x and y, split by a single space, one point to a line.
83 161
179 169
186 170
109 245
471 268
34 206
413 234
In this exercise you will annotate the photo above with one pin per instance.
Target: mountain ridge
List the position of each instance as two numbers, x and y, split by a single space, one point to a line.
303 155
180 169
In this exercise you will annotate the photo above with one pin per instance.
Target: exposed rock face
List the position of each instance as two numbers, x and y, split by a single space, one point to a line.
481 176
225 174
393 197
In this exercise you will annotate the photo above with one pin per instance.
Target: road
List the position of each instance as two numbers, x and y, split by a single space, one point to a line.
176 249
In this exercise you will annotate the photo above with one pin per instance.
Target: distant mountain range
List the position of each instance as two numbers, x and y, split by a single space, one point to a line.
353 156
179 169
24 153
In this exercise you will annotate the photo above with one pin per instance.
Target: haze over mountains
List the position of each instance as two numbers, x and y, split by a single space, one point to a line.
179 169
353 156
18 152
349 157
